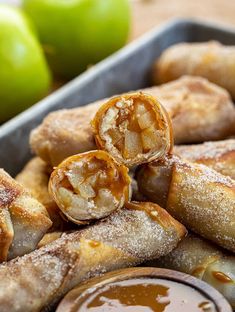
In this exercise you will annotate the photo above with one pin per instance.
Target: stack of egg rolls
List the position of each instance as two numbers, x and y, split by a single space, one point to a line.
87 184
199 110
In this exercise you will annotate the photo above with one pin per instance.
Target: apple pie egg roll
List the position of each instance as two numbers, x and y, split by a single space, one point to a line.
133 128
199 110
139 232
211 60
196 195
89 186
23 220
35 177
219 155
205 261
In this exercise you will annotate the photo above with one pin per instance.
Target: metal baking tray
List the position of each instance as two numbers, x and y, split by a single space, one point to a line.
126 70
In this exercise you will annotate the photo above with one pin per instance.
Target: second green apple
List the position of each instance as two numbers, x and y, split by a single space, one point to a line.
79 33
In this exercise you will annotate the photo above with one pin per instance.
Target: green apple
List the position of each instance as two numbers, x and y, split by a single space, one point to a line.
24 74
79 33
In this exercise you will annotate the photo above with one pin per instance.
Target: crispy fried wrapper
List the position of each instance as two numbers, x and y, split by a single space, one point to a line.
196 195
64 133
133 128
35 177
23 220
200 111
219 155
211 60
89 186
204 260
142 231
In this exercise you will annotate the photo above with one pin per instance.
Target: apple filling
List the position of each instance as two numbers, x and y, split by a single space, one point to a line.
90 187
132 128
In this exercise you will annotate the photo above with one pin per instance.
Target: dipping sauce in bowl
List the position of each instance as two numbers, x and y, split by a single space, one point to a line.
144 290
147 295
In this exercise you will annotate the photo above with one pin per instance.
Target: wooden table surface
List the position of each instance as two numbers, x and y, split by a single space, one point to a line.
150 13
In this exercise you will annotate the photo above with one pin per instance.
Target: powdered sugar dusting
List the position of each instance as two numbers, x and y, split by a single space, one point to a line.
206 150
204 200
136 233
59 266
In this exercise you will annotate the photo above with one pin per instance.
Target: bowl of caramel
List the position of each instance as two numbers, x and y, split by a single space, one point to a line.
144 290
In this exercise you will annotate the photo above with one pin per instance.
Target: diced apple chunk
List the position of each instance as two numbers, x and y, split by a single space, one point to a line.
105 199
86 190
132 145
65 196
115 135
140 109
146 120
75 178
151 138
92 179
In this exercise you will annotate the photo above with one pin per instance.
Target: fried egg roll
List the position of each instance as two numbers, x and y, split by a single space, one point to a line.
89 186
219 155
199 110
196 195
205 261
133 128
140 232
23 220
35 177
211 60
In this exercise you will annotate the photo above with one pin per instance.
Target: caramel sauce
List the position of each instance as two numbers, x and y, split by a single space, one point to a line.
197 271
115 179
94 244
146 295
220 276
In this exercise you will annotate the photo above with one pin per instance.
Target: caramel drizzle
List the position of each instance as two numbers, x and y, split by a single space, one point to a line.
220 276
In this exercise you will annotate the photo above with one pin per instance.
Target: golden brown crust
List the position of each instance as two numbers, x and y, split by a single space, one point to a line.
125 107
89 186
160 215
23 219
125 238
199 197
64 133
210 208
35 177
219 155
211 60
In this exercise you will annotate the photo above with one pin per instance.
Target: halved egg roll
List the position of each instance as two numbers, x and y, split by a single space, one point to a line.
219 155
196 195
140 232
200 111
205 261
211 60
133 128
89 186
23 220
35 177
